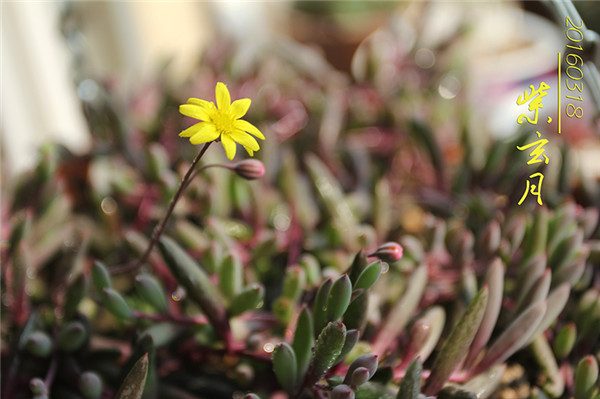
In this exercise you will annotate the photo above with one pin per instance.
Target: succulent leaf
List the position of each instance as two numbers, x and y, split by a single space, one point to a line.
455 349
320 306
410 387
339 298
285 366
116 304
327 349
134 383
303 341
369 276
248 299
151 291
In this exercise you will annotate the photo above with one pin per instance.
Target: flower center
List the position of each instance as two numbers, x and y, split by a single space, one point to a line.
223 121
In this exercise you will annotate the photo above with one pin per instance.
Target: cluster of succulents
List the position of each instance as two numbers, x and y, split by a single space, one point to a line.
370 260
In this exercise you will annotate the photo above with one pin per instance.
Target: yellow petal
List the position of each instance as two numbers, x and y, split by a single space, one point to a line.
249 127
229 146
223 97
208 133
245 139
195 111
240 107
202 103
190 131
250 152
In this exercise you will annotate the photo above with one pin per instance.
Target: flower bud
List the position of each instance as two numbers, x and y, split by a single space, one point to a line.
37 386
39 344
250 169
71 336
389 252
90 385
342 392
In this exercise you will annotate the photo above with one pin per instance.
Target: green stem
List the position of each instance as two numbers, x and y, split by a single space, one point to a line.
158 230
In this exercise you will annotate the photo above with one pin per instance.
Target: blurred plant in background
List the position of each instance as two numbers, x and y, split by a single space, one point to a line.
374 256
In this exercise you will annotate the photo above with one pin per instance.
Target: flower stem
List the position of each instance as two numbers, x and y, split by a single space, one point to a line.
158 230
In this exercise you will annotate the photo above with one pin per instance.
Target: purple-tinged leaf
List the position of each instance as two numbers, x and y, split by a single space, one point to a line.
517 334
402 311
494 279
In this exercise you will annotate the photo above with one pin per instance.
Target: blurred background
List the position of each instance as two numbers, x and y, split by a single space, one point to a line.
59 56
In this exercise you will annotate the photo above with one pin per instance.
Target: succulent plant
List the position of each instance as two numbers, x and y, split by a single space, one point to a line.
359 258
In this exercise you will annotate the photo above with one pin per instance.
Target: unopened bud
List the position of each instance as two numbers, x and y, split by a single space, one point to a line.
389 252
250 169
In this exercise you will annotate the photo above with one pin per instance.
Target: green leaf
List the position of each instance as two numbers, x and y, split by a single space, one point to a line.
455 349
355 316
133 385
75 294
72 335
565 340
320 306
151 291
586 376
100 276
230 276
327 349
293 283
358 265
90 385
39 344
248 299
537 234
339 298
369 276
116 304
285 366
410 387
303 342
198 286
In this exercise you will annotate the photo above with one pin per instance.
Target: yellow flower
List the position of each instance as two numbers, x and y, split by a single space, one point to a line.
221 122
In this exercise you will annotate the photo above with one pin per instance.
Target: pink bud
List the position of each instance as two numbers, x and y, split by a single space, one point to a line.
250 169
388 252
